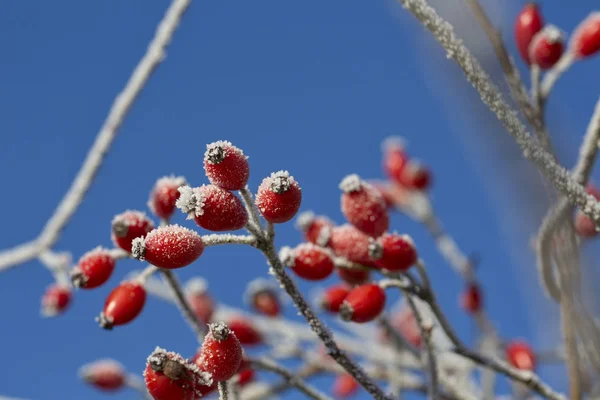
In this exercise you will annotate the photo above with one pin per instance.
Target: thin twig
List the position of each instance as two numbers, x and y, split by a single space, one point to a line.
223 392
217 239
254 226
189 315
554 74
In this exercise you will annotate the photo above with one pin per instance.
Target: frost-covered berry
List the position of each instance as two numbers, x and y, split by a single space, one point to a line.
316 228
262 297
354 276
333 296
164 195
546 47
364 206
226 166
351 244
393 252
221 352
128 226
245 331
200 300
394 157
308 261
471 300
415 176
122 305
528 23
107 375
168 376
55 300
363 304
520 355
344 386
93 269
585 41
213 208
278 198
169 247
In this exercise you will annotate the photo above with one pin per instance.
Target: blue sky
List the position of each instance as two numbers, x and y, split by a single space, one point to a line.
311 87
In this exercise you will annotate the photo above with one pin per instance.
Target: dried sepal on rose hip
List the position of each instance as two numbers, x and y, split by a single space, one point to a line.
213 208
364 303
129 225
332 297
107 375
93 269
279 197
471 299
344 386
122 305
169 247
245 331
393 252
262 296
585 41
316 228
226 166
520 355
221 352
56 300
164 195
364 206
547 47
528 23
308 261
201 302
168 376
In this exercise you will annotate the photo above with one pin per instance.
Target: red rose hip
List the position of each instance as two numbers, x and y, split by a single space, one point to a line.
200 300
345 386
122 305
169 247
546 47
351 244
364 206
245 331
415 176
56 300
128 226
308 261
221 353
393 252
263 298
279 197
520 355
106 375
164 195
585 42
333 296
363 304
93 269
528 23
394 158
226 166
471 299
316 229
213 208
354 276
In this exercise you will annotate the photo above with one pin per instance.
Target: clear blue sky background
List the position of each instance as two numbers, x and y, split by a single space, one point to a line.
312 87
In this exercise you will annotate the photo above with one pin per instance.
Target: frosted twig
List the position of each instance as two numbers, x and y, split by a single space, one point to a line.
492 97
304 372
223 392
118 111
184 306
216 239
291 379
398 341
254 225
143 276
554 74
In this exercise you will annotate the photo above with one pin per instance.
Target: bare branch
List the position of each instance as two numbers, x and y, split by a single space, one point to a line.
223 392
186 310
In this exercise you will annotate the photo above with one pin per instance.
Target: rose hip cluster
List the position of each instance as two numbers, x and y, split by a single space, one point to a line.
543 45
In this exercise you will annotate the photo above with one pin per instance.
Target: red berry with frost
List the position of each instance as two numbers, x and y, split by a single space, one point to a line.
262 296
164 195
122 305
364 206
345 386
199 299
221 352
585 41
55 300
471 299
168 376
213 208
394 158
584 226
106 375
351 244
245 331
169 247
354 276
333 296
226 166
415 176
128 226
393 252
546 47
520 355
528 23
363 304
278 198
93 269
308 261
316 229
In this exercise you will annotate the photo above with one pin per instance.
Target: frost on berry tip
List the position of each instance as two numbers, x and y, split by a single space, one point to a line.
191 201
